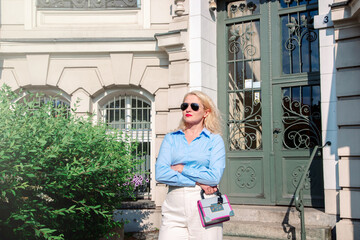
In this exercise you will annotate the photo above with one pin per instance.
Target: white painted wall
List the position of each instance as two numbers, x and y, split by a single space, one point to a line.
202 48
328 107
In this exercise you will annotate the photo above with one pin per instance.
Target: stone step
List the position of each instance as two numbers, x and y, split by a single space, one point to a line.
282 215
250 221
268 230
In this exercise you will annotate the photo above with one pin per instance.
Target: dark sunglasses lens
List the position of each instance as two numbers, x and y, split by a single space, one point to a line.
195 106
184 106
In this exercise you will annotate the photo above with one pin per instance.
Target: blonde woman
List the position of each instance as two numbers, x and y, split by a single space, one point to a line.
191 159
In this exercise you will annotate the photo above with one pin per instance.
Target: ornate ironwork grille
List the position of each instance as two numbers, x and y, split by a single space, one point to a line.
244 80
131 114
299 38
86 4
301 117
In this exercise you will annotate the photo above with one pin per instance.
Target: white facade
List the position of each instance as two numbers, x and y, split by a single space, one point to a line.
161 50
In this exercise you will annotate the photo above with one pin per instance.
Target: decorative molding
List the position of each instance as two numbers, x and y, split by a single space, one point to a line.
296 176
86 4
174 44
180 9
245 177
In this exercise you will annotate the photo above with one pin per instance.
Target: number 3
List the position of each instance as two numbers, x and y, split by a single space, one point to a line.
326 19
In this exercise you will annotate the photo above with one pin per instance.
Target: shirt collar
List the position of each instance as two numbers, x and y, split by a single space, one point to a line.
204 132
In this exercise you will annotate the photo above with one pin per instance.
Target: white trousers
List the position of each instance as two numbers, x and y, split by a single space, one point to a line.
180 217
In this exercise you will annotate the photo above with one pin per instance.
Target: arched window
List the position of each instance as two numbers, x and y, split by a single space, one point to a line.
132 115
39 99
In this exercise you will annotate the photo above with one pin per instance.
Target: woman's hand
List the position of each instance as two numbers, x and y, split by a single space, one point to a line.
208 189
177 167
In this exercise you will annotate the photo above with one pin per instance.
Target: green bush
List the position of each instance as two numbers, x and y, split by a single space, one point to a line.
61 176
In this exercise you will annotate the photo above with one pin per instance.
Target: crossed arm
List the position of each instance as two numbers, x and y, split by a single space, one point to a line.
207 189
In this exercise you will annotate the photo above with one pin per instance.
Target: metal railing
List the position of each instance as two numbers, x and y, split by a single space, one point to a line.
299 198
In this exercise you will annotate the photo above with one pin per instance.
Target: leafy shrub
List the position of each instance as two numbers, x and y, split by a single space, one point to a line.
61 176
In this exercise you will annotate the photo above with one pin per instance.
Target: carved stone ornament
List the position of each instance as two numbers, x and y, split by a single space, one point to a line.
180 9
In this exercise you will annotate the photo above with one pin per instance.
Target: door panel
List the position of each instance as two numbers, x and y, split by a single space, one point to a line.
298 126
247 178
268 63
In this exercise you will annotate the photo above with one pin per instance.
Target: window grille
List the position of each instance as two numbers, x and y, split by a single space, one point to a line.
301 117
87 4
131 114
40 100
300 41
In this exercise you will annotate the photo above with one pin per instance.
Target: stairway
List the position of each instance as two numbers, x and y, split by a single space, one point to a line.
277 222
249 222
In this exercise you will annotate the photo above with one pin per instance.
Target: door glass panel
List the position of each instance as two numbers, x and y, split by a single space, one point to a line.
245 123
300 43
243 8
244 89
301 117
294 3
244 41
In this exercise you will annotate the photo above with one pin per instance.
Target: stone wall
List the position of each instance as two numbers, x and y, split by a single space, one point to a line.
345 15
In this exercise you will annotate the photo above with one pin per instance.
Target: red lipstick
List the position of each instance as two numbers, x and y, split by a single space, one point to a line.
188 115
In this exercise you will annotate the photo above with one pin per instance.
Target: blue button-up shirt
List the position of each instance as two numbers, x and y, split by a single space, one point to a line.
203 159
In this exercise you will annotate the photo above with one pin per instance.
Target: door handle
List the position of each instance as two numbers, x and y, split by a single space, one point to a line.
276 131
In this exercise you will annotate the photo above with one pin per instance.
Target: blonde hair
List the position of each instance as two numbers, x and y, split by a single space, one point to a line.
213 121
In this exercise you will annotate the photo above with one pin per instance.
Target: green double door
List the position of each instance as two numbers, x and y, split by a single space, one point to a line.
269 94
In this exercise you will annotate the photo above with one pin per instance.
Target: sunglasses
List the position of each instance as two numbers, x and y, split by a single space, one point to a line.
194 106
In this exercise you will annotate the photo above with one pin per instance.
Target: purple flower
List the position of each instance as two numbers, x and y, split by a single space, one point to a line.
136 181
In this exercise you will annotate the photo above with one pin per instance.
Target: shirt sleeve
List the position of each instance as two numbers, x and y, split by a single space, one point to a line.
212 174
163 171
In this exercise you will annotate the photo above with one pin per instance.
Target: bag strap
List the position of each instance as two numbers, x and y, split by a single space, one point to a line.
218 193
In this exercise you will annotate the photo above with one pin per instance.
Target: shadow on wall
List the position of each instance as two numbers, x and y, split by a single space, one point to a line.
137 220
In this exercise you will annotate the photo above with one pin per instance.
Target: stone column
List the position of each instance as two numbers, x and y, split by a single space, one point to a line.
168 113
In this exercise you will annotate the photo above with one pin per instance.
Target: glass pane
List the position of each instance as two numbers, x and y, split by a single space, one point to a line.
286 55
236 79
245 120
294 3
314 47
133 118
301 117
300 43
117 115
306 95
286 92
243 8
295 94
244 41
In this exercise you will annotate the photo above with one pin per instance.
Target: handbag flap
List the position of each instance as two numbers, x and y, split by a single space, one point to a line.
212 210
